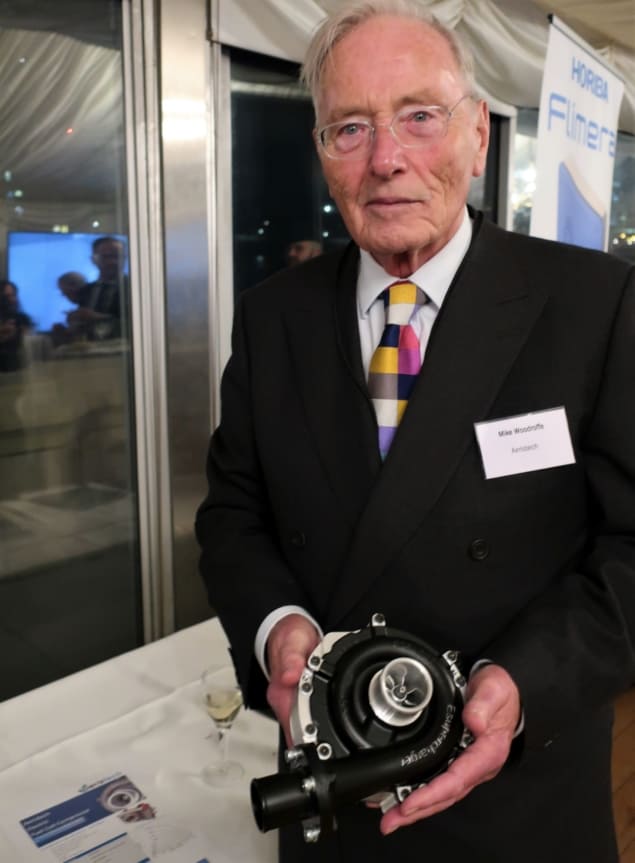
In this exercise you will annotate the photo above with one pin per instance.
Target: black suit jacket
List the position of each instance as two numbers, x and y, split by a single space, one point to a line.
535 571
105 298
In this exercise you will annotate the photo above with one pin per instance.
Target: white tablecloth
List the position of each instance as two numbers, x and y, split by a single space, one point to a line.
140 714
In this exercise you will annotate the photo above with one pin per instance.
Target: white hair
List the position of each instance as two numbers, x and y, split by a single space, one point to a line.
354 13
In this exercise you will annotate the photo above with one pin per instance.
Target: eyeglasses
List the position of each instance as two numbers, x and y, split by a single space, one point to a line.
413 126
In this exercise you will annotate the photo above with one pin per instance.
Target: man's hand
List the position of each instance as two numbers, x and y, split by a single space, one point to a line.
290 643
492 713
84 315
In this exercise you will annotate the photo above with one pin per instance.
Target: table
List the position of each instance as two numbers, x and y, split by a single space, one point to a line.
140 714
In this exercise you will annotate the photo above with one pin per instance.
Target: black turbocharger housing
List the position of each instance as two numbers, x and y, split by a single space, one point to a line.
377 714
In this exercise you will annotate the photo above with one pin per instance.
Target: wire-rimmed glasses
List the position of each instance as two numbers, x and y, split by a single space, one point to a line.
412 126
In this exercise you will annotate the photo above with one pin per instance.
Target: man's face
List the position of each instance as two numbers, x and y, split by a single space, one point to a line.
69 288
302 250
400 204
108 257
10 297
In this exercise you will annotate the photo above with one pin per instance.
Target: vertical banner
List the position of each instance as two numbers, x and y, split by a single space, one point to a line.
577 137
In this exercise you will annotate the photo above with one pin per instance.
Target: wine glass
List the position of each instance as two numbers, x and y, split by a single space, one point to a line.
223 700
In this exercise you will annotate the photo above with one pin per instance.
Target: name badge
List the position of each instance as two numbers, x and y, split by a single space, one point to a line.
524 443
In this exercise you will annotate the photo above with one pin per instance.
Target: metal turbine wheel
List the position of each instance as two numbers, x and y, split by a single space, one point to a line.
400 692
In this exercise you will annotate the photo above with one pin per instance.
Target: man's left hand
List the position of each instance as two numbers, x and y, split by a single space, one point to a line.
84 315
491 713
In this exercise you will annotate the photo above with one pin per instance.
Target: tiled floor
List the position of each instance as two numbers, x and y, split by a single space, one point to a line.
624 776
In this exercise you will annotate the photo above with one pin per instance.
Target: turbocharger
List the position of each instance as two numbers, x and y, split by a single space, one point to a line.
377 715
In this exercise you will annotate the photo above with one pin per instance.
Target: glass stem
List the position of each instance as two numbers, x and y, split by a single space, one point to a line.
223 744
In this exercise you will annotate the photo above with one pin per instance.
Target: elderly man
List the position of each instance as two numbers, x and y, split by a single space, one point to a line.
341 486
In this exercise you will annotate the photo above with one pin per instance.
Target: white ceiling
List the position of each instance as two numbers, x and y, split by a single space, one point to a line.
598 21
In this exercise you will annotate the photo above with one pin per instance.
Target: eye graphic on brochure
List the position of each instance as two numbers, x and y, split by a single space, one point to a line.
120 794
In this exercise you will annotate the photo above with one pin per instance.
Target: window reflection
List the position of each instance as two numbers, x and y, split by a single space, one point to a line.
280 199
622 227
15 325
524 175
73 284
68 524
622 232
484 189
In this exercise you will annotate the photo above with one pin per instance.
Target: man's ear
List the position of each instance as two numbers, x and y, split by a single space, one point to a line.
482 129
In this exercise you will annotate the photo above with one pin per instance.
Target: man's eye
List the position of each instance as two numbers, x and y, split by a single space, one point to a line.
419 116
350 129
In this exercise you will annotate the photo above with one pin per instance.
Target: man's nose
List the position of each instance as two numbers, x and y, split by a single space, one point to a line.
387 154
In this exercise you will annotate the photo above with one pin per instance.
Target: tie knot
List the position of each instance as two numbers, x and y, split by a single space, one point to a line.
401 300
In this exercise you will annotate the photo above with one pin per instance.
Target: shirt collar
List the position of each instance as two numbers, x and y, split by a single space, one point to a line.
434 277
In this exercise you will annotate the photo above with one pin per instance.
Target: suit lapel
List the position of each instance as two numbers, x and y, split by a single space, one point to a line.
324 344
484 322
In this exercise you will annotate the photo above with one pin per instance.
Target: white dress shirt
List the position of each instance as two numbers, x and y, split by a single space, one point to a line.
434 278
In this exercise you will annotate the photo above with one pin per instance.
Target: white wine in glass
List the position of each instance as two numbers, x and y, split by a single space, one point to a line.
223 706
223 700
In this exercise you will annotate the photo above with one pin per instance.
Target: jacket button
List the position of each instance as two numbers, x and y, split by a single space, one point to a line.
297 539
479 549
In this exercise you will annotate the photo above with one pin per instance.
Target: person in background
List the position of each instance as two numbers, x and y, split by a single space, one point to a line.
14 324
70 286
99 302
302 250
440 427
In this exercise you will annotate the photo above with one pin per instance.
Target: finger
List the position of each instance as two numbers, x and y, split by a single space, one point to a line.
289 645
479 763
281 700
493 702
281 696
389 824
286 667
292 663
434 797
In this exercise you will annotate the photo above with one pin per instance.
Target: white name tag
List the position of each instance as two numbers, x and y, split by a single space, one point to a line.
524 443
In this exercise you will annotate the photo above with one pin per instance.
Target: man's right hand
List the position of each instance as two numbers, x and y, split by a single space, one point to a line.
80 315
290 643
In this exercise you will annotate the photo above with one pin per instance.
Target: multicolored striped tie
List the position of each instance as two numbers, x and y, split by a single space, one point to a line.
397 360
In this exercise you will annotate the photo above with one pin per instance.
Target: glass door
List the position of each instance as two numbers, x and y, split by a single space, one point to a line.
69 550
